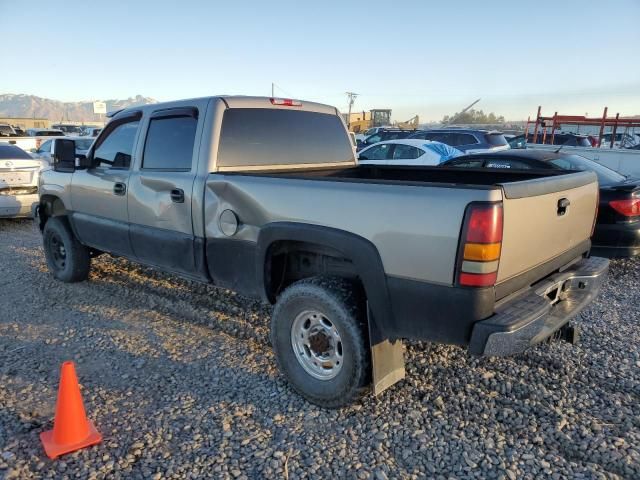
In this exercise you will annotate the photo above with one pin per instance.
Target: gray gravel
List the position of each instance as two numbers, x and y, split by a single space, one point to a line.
180 380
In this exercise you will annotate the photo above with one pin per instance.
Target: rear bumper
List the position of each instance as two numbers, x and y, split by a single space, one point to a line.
616 240
18 205
538 313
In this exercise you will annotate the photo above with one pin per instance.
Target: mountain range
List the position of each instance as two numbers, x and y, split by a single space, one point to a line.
20 105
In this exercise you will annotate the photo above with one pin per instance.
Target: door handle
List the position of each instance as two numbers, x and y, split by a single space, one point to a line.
119 188
177 195
563 204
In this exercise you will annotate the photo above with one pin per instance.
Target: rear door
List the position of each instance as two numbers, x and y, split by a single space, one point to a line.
545 218
161 189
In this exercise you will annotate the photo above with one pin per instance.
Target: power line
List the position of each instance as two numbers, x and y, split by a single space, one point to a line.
352 98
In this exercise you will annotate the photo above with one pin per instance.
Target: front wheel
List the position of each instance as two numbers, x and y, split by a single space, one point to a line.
318 333
67 258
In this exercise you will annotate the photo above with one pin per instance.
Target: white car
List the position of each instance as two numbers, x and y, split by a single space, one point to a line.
43 152
407 152
622 140
19 174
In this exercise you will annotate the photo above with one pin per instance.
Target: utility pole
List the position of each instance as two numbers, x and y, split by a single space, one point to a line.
352 98
273 87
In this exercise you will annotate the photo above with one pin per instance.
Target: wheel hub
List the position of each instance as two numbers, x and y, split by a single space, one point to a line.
317 345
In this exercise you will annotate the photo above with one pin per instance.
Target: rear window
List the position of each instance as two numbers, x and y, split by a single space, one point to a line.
262 136
605 175
8 152
496 139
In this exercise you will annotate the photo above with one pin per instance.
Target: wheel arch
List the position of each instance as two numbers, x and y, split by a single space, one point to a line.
50 206
367 264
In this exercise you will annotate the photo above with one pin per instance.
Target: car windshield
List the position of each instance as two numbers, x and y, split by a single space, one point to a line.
9 152
606 176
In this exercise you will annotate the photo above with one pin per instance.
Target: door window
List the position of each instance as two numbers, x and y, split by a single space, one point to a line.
379 152
45 147
169 144
463 139
115 150
406 152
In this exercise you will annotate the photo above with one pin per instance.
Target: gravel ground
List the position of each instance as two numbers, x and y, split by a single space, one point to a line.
180 380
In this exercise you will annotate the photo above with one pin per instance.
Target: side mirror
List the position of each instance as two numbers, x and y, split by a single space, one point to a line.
63 154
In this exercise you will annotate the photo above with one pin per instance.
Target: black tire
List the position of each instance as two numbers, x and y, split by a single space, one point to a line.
68 260
339 301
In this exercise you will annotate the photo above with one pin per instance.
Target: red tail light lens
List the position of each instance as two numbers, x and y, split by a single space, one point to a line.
485 224
628 208
481 245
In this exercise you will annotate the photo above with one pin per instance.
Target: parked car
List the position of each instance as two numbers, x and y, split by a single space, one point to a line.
565 139
384 134
90 131
7 130
617 229
264 196
516 141
18 181
622 140
19 131
467 140
407 152
68 129
82 145
44 132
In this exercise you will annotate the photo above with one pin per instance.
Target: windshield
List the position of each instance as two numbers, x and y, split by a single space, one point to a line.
606 176
9 152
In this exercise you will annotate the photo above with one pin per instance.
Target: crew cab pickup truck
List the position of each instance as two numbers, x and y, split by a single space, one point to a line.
264 196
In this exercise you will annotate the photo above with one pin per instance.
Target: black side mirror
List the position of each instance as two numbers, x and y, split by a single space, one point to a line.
63 153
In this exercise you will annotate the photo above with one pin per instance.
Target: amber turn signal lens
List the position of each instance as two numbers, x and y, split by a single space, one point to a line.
482 252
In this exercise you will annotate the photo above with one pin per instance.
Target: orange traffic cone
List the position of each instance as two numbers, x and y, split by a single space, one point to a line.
71 429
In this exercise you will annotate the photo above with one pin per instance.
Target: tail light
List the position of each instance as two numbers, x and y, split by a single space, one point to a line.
481 245
628 208
287 102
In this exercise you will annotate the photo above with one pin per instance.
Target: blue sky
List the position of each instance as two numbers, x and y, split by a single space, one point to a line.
415 57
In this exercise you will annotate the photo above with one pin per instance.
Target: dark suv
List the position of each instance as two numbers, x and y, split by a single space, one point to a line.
468 140
384 135
566 139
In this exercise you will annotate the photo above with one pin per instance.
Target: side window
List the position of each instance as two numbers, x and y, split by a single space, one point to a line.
463 139
116 148
373 139
45 147
406 152
169 143
379 152
439 137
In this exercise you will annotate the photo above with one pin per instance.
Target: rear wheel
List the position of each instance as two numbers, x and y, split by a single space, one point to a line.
67 258
318 332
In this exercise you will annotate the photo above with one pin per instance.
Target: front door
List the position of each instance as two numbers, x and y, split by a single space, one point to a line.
99 194
160 192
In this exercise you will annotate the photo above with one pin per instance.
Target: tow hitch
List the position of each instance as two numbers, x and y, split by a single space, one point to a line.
568 333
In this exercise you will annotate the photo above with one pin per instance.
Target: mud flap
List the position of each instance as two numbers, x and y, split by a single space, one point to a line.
387 358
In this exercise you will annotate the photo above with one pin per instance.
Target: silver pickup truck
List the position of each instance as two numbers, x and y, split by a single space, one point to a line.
264 196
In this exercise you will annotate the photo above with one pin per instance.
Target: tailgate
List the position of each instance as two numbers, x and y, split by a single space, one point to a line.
544 218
